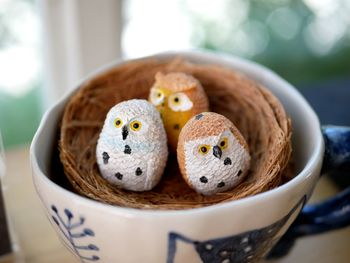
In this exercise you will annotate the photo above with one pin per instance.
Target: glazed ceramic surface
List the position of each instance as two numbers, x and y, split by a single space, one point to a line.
237 231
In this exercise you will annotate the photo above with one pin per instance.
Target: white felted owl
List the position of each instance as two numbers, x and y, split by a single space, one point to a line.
132 148
212 154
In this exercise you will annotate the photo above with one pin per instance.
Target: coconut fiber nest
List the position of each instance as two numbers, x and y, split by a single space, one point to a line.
254 110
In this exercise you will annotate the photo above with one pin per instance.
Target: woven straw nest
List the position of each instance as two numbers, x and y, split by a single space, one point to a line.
253 109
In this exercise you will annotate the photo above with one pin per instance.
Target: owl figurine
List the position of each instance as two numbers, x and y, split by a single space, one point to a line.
132 149
178 97
212 154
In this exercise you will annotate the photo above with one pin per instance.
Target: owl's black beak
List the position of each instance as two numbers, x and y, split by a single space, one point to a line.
125 132
217 151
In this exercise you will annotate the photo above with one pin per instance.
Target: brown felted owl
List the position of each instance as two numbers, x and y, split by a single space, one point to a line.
212 154
178 97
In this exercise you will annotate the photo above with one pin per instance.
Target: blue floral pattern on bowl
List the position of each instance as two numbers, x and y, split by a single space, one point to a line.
73 230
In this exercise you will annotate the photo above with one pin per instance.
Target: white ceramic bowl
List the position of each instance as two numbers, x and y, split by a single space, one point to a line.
237 231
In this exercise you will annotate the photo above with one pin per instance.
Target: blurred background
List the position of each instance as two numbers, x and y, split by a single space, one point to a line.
47 46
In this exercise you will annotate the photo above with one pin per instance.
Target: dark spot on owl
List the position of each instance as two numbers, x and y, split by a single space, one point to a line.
203 179
119 176
125 132
127 149
199 116
176 126
239 172
105 157
138 171
227 161
221 184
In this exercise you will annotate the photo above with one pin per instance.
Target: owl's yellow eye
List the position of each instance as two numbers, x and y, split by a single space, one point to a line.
204 149
223 143
118 123
136 125
180 102
156 96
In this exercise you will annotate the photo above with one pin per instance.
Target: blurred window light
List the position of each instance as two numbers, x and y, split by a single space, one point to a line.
210 10
272 32
277 2
327 30
284 22
324 7
322 34
227 13
20 66
20 69
154 26
250 40
19 58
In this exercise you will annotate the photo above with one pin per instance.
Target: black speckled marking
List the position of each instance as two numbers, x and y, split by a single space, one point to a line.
203 179
105 157
221 184
176 127
239 173
199 116
119 176
138 171
127 149
227 161
125 132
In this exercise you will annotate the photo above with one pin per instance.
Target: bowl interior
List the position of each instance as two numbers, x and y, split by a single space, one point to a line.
304 138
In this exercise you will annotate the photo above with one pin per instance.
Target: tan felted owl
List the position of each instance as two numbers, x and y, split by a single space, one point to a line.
178 97
212 154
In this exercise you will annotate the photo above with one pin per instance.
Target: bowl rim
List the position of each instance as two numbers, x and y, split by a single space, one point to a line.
204 56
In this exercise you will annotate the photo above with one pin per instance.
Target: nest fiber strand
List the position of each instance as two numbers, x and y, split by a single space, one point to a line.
253 109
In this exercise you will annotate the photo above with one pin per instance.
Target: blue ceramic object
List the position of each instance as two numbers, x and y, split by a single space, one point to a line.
74 231
333 213
337 142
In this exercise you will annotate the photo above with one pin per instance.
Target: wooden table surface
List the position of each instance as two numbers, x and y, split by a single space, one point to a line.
39 244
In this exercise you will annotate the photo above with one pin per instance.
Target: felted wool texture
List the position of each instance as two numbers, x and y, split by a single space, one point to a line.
191 101
209 173
177 82
133 159
254 110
